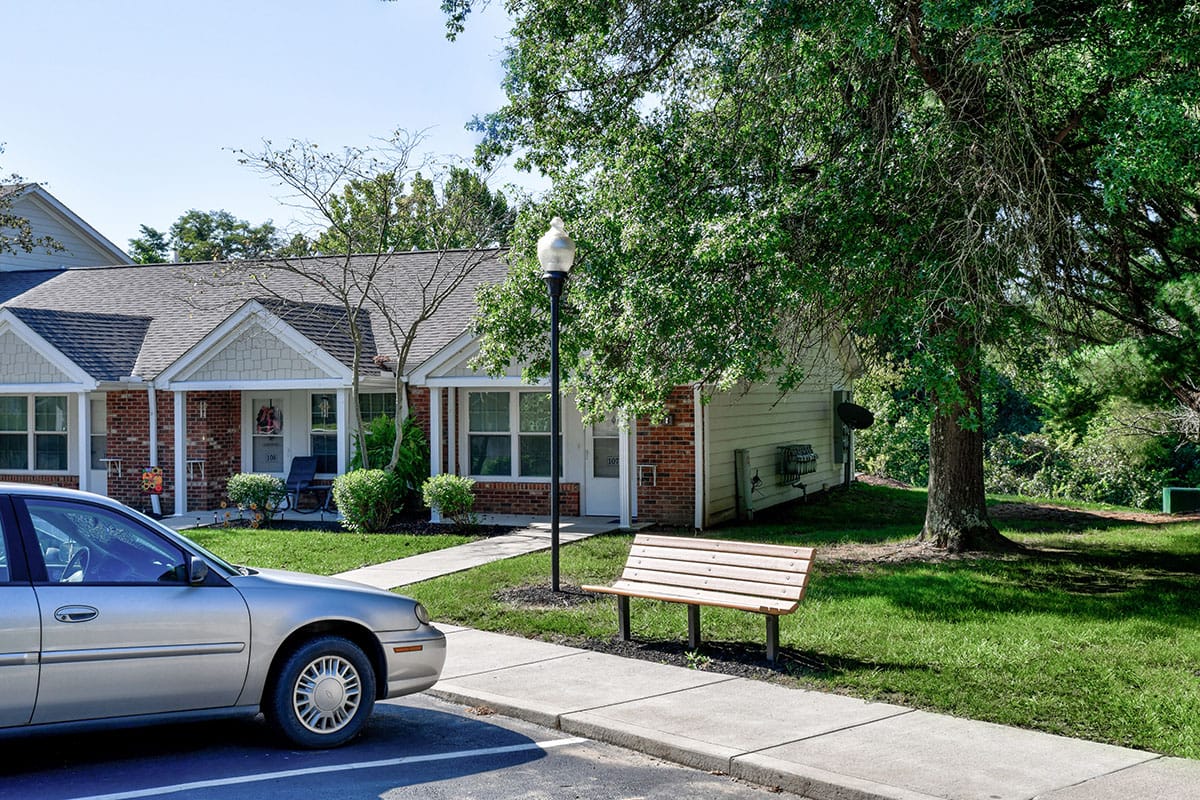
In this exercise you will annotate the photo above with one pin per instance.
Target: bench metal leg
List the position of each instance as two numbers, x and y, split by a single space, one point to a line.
693 627
772 637
623 617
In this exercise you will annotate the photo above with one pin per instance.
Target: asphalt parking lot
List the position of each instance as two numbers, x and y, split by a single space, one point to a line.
417 747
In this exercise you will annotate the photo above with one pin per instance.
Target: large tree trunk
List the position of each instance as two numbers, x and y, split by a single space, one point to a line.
956 516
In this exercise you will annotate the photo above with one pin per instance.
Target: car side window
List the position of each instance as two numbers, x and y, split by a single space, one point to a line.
84 543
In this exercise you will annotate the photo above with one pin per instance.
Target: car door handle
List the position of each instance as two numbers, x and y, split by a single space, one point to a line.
76 614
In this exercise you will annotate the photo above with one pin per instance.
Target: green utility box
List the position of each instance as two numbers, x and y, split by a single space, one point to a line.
1180 500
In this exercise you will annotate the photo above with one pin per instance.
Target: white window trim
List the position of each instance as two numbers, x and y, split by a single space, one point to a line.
31 433
514 433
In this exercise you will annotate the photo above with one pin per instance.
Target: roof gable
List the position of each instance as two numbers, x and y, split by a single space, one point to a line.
326 326
254 348
33 364
105 346
82 244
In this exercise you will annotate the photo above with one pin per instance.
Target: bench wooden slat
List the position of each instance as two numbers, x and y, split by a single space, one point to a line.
776 576
724 546
782 566
672 579
654 591
762 578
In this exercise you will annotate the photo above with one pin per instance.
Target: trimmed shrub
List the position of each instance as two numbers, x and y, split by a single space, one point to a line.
452 496
367 499
258 494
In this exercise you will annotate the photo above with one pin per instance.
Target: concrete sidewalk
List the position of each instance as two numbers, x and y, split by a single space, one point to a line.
820 746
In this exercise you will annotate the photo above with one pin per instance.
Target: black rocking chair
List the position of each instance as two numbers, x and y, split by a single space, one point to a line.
299 480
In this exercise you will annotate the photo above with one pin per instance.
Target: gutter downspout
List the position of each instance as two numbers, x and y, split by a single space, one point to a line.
155 503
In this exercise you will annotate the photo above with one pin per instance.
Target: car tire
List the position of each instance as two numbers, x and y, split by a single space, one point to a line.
322 694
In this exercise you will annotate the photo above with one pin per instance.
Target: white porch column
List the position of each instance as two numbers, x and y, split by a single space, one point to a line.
83 446
181 476
343 430
451 431
624 473
435 440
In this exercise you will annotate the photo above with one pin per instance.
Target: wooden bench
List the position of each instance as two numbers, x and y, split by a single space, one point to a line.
764 578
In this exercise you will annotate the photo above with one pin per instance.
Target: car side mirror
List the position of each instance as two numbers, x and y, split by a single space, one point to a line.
197 570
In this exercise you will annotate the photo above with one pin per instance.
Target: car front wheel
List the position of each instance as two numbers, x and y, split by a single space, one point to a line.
323 693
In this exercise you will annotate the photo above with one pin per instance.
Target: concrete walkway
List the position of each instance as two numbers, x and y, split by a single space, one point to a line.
529 539
820 746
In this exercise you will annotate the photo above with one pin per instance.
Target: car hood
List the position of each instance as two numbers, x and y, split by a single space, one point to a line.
263 578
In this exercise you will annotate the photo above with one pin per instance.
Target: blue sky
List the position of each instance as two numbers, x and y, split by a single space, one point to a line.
125 109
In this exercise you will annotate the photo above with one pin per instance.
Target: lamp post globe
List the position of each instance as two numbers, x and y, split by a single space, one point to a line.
556 254
555 249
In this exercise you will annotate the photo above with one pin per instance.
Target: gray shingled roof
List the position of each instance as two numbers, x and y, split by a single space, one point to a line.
106 346
184 302
18 282
325 326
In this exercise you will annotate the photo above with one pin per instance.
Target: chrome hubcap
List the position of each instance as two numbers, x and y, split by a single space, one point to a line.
327 694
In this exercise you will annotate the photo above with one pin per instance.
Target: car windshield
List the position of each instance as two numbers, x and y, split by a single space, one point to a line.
211 557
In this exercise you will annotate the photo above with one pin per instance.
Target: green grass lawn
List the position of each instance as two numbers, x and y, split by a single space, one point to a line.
1093 633
318 552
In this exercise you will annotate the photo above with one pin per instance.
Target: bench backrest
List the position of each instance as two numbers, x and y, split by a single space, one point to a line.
778 572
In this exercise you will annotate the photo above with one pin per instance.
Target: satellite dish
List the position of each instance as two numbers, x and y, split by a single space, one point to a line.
855 416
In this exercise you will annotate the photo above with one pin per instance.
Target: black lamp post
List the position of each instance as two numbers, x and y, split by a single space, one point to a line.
556 254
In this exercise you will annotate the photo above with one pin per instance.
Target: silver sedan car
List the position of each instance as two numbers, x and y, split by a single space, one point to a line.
108 617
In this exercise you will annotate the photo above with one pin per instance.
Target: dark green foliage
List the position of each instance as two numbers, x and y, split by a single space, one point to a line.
367 499
149 248
381 215
412 465
206 236
452 496
256 494
742 176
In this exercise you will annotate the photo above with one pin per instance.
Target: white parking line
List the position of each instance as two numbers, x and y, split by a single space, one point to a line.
295 773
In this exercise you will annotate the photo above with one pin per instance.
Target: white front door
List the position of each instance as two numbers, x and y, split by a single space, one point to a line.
268 422
602 476
98 447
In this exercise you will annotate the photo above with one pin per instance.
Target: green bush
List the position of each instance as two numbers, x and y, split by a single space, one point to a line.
412 467
1103 467
367 499
452 496
258 494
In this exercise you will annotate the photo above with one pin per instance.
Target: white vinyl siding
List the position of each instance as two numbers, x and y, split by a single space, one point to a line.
79 250
759 421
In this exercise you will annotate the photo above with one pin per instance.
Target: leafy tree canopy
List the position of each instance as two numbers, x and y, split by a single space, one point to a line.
742 174
421 216
206 236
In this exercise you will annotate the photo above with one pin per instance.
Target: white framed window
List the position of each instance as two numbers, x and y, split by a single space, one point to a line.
33 433
373 405
508 434
323 418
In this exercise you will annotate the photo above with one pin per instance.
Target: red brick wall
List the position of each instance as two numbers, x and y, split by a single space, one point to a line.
214 434
672 450
418 408
62 481
129 440
525 498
